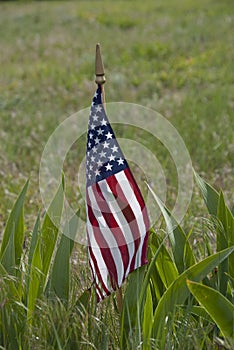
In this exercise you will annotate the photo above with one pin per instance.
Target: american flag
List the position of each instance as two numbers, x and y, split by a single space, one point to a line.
117 219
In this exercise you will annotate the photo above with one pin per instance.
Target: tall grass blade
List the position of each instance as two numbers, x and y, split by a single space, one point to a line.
199 311
9 280
220 309
14 232
33 246
156 284
34 240
217 207
35 278
222 213
133 307
222 243
181 248
130 317
178 291
147 320
230 242
227 222
232 210
149 275
59 346
12 311
210 195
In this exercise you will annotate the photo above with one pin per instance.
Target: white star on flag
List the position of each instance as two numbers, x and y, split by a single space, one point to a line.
108 166
109 135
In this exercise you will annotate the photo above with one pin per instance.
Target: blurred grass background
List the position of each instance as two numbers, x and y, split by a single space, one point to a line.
176 57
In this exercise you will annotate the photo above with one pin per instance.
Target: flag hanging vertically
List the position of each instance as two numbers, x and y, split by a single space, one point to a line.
117 219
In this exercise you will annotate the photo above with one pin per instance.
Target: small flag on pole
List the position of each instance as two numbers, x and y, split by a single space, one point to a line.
117 219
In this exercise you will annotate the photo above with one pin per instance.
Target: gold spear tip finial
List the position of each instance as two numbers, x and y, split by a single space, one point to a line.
99 68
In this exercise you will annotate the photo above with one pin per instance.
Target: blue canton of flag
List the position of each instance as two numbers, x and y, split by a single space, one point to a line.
104 156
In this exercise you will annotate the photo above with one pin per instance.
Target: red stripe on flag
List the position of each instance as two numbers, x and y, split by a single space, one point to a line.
144 259
97 272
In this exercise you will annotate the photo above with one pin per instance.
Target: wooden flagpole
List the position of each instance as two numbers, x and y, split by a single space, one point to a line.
99 72
100 80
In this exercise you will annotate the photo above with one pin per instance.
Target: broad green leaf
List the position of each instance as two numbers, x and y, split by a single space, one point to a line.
220 309
130 317
178 291
60 276
49 231
14 230
8 257
164 263
210 195
181 249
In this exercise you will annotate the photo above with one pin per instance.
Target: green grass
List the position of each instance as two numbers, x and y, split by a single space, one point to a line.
176 57
45 305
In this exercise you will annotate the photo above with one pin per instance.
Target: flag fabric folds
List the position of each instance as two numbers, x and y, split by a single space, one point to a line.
117 219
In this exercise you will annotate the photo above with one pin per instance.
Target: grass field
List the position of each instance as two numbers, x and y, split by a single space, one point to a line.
176 57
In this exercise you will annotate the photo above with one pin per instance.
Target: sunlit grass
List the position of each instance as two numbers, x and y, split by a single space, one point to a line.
177 59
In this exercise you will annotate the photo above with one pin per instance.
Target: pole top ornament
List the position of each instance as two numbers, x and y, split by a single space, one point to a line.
99 68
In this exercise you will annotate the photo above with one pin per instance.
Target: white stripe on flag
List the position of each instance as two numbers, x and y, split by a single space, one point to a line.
139 253
98 256
133 202
96 277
